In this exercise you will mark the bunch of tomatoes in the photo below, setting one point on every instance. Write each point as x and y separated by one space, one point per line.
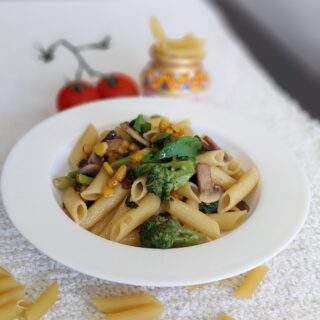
110 86
80 91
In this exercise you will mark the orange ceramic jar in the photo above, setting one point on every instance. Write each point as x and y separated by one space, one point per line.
174 75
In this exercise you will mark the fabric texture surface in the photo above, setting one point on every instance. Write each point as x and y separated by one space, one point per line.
291 289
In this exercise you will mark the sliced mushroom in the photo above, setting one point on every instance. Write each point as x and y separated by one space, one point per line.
114 144
90 170
209 143
134 134
94 159
208 192
242 205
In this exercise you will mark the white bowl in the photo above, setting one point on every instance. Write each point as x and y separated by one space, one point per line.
280 202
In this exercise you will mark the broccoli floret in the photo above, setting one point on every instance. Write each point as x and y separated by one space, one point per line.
162 232
162 178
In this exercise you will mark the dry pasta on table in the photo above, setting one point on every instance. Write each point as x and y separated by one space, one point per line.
152 182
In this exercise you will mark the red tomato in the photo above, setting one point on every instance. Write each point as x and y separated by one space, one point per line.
117 85
75 93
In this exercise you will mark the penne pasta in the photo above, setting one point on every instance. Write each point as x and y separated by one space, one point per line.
213 158
138 189
132 239
125 302
94 190
43 303
138 196
102 223
75 206
232 167
11 295
145 312
120 211
103 206
156 120
148 206
224 316
149 135
251 282
238 174
89 138
8 283
239 191
193 204
190 191
221 178
4 273
228 220
194 218
10 310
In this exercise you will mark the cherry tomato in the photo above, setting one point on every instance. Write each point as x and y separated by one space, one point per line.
75 93
117 85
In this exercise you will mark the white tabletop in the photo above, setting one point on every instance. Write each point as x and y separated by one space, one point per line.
28 87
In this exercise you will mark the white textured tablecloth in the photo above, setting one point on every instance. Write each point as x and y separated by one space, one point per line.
291 289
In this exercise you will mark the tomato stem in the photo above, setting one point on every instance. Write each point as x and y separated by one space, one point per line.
47 55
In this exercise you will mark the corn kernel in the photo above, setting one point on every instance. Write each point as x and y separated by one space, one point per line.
107 191
122 150
121 173
101 148
112 183
138 155
87 148
133 147
125 144
163 124
108 168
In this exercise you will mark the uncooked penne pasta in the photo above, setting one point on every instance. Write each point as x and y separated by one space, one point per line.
148 206
190 191
103 206
11 295
10 310
94 190
212 158
75 206
43 303
228 220
138 189
251 282
89 138
239 191
8 283
221 178
146 312
224 316
124 302
4 273
194 218
132 239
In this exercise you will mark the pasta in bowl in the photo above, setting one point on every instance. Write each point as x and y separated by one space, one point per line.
34 205
153 183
